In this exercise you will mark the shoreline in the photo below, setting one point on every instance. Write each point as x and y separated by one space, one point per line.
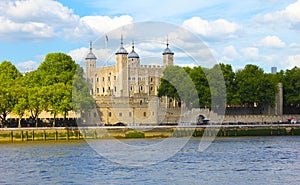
123 132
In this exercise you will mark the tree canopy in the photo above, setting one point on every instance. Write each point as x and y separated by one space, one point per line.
49 88
249 86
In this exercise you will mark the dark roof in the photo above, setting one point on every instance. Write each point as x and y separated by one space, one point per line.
167 51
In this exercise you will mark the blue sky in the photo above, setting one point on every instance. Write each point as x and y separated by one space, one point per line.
265 33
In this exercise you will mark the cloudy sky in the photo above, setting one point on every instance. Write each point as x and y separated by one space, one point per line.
261 32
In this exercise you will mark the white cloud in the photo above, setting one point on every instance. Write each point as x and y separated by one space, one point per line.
229 54
271 42
34 19
294 45
27 66
10 30
91 26
216 29
290 16
103 55
38 11
251 53
293 61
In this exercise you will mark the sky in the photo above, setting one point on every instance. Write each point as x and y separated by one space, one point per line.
261 32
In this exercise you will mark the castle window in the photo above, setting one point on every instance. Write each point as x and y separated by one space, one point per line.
151 79
115 89
141 102
97 79
151 88
98 90
141 88
108 88
120 114
131 88
103 90
115 78
109 114
145 114
109 78
103 79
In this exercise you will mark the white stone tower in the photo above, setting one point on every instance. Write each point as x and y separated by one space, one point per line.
168 56
122 71
90 67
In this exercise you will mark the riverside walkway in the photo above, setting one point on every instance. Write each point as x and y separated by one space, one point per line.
103 132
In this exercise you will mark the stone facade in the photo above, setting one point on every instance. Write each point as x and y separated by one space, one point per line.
127 91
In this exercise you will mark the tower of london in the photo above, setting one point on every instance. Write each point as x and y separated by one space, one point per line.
127 91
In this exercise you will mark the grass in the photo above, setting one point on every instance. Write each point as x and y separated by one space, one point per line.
134 134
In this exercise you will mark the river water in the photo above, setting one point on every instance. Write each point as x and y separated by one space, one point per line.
251 160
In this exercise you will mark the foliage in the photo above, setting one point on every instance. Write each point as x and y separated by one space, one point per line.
9 75
134 134
176 83
253 86
82 101
220 85
292 87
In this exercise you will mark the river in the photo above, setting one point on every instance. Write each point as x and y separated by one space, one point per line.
240 160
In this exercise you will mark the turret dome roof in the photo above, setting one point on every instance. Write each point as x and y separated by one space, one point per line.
133 54
91 55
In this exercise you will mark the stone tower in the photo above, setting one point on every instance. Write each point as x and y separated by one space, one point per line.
133 58
168 56
90 66
122 71
90 61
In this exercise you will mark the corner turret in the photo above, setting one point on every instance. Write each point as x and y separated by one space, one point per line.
168 56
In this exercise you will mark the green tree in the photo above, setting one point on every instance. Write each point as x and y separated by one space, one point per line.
36 94
82 100
253 86
198 76
229 78
22 100
291 87
9 76
178 83
57 72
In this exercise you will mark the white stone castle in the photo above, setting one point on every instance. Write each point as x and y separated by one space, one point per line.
127 91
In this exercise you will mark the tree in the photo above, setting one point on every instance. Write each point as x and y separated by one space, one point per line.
82 100
229 78
198 76
21 100
57 68
291 87
9 76
36 94
217 85
253 86
178 83
57 72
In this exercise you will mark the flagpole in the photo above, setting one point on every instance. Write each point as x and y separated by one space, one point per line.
106 41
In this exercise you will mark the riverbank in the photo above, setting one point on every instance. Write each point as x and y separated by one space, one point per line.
74 133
